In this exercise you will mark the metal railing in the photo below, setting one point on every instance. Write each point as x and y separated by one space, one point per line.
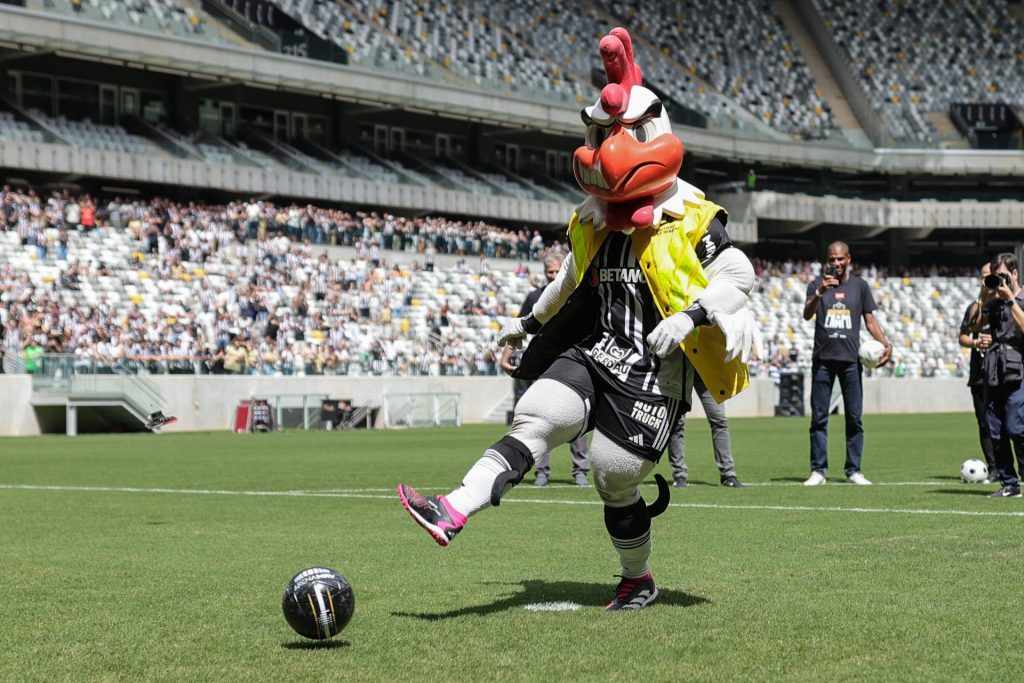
422 410
63 373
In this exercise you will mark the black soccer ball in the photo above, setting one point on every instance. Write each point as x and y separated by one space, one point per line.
318 602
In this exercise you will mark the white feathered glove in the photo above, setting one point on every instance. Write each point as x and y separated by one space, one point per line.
743 338
669 334
514 331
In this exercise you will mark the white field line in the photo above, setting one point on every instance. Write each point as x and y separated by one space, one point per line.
372 494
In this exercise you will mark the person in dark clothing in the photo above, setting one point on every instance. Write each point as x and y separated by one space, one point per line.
971 337
510 361
837 301
1004 370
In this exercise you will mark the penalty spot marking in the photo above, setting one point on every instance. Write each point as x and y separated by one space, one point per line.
515 501
552 607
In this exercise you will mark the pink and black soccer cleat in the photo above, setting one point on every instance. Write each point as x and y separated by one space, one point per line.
433 514
158 419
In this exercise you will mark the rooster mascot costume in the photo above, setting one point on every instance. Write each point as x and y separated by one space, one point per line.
652 292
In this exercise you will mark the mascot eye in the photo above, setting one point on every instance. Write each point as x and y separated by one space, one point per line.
645 131
596 135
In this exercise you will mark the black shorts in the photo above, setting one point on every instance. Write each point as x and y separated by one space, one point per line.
638 422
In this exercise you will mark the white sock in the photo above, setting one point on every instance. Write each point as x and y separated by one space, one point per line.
633 555
475 493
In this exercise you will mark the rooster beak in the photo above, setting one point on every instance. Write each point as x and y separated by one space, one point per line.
623 168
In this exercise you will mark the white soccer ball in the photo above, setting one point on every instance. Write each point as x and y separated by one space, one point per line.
974 471
870 353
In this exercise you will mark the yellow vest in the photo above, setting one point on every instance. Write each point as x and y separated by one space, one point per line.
667 256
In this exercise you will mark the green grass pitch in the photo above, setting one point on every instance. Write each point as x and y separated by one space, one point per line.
163 558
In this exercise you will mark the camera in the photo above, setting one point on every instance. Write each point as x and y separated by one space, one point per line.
994 280
830 270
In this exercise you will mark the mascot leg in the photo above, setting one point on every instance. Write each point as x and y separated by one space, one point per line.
548 414
617 476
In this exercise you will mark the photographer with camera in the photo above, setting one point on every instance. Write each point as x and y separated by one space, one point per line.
837 301
1003 318
971 337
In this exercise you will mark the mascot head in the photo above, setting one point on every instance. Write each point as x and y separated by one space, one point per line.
630 154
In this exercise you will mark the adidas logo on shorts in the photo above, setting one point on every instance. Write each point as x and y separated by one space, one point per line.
637 439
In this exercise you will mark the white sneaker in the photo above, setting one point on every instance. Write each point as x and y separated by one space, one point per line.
858 479
816 479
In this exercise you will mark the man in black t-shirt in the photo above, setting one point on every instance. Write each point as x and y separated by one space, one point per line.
837 300
971 337
1004 371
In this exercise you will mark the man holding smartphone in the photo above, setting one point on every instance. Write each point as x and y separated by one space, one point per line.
837 301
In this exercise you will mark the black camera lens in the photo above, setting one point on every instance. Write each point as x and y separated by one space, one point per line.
994 280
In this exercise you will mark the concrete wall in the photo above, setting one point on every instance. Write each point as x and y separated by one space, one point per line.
207 402
17 418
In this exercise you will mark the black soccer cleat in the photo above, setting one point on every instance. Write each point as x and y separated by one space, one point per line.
633 594
1008 491
433 514
158 419
732 482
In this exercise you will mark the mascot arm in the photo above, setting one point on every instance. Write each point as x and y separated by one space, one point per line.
730 279
557 292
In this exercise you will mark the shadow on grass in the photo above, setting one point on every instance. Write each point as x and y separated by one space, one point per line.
965 492
945 477
800 479
315 644
535 591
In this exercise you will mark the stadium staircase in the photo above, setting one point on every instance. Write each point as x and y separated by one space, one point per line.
94 401
830 90
502 409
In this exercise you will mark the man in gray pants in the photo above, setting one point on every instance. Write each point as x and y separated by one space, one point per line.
719 436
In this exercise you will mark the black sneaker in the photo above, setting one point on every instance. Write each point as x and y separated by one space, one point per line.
732 482
1008 491
633 594
158 420
680 483
433 514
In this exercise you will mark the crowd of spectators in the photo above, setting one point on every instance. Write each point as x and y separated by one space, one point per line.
37 218
246 288
283 306
807 270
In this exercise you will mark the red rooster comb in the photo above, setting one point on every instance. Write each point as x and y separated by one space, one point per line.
623 73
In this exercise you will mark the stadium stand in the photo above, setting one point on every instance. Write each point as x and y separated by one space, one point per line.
544 26
364 43
525 48
476 49
165 16
89 135
112 295
732 62
913 57
13 129
727 45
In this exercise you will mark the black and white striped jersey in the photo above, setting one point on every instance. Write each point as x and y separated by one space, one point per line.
618 345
